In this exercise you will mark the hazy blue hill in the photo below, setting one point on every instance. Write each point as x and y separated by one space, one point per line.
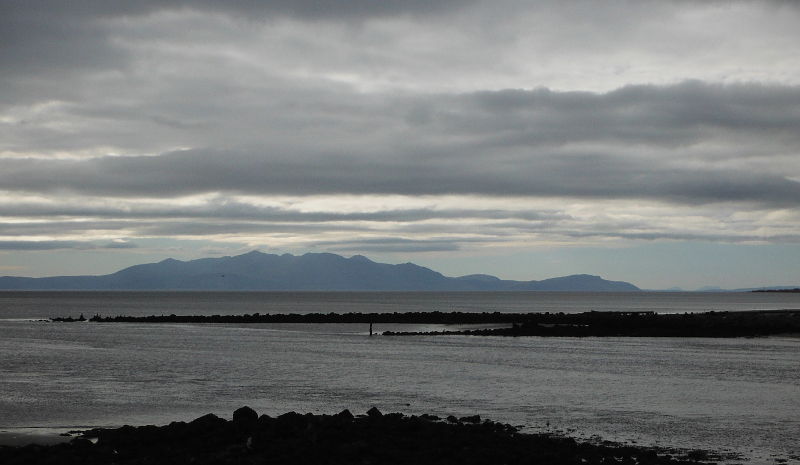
312 271
480 278
579 281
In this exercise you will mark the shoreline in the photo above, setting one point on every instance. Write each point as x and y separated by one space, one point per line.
373 437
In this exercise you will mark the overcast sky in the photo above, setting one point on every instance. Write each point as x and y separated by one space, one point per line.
656 142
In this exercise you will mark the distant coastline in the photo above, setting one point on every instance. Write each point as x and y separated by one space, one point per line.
257 271
796 289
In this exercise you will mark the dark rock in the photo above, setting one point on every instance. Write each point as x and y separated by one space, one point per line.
207 422
293 438
244 415
81 443
345 414
698 455
291 421
397 417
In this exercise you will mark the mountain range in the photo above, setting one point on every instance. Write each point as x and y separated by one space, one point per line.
312 271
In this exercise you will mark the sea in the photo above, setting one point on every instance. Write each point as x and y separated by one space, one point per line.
739 397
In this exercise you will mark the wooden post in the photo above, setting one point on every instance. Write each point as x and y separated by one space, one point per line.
370 329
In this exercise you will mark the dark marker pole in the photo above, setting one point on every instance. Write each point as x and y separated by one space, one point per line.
370 329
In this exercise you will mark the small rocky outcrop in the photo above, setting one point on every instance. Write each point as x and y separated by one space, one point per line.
244 415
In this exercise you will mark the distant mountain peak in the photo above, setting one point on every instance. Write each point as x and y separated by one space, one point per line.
480 277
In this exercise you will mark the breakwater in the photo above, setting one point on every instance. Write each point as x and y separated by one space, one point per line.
599 324
643 324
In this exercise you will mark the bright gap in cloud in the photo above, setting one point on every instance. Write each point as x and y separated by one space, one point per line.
356 222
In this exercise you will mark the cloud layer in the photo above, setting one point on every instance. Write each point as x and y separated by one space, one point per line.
398 126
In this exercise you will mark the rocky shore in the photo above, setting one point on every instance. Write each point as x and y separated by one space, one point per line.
374 438
642 324
598 324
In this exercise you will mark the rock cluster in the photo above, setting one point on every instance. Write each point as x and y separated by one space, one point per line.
293 438
597 324
642 324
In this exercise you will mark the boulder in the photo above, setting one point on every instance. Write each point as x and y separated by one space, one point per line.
244 415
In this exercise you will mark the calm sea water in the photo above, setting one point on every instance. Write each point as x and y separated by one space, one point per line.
738 395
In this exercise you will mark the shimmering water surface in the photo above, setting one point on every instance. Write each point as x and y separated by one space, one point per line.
740 395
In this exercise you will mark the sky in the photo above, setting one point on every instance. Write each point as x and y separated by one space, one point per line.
651 141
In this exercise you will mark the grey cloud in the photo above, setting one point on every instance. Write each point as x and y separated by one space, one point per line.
45 245
391 244
737 237
44 36
679 114
120 245
300 8
410 237
597 176
50 36
511 142
211 226
313 98
229 210
313 9
55 35
59 245
641 141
